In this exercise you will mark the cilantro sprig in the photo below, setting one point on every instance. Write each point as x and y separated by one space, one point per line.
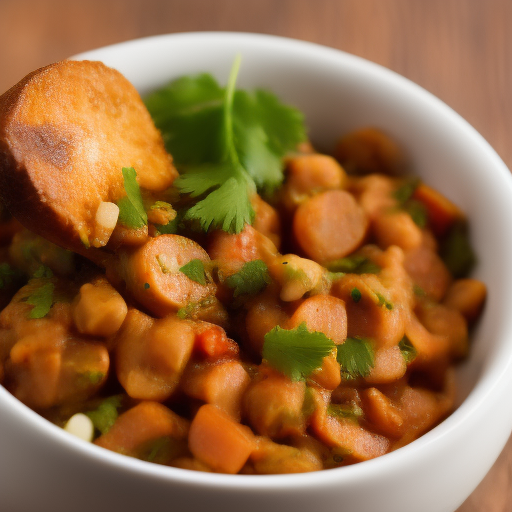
195 271
131 207
356 357
252 278
296 352
41 298
226 143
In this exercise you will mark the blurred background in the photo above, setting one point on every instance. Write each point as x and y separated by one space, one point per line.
460 50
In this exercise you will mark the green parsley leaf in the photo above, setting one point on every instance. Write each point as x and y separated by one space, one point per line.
227 144
354 265
252 278
42 300
105 415
131 208
296 352
355 294
416 209
43 272
405 191
7 275
349 411
456 250
356 357
194 270
384 302
407 349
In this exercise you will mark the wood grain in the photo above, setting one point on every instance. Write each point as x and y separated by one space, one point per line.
460 50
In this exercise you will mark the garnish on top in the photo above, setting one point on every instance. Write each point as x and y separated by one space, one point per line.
227 143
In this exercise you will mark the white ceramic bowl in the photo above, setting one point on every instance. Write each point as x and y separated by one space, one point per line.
44 469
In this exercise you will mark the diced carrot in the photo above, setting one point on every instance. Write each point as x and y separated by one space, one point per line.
147 422
442 213
219 441
222 384
329 374
212 342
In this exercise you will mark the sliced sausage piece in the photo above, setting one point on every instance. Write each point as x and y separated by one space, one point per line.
66 132
152 274
330 225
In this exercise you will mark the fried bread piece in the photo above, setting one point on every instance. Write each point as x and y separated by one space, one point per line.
66 132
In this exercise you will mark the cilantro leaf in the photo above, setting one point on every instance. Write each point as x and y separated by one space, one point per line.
105 415
355 294
42 300
456 250
252 278
407 349
194 270
131 208
226 143
296 352
8 275
43 271
349 411
416 209
354 264
356 357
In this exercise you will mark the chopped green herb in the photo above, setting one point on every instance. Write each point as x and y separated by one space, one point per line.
354 265
356 357
405 192
296 352
131 208
456 251
418 290
146 286
105 415
93 377
7 275
384 302
349 411
416 209
355 294
43 272
192 309
42 300
194 270
407 349
252 278
226 143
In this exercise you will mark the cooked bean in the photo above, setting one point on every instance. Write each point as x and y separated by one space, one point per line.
151 355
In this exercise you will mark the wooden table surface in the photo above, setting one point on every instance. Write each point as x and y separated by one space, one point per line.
460 50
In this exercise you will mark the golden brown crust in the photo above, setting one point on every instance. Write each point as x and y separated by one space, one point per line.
66 131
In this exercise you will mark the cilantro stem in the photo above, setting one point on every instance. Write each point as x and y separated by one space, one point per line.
232 155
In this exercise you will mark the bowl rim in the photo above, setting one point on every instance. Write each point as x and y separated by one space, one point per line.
497 375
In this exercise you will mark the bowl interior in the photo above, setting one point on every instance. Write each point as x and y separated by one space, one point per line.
338 92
